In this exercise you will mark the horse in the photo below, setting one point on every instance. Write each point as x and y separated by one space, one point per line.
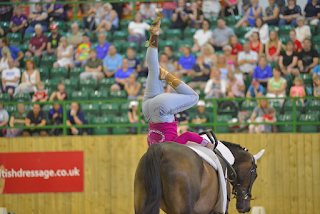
174 178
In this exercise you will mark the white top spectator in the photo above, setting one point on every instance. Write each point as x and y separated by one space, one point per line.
10 74
202 37
148 10
247 67
139 28
263 33
303 32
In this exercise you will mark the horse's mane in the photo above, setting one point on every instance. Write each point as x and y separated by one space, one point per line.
232 145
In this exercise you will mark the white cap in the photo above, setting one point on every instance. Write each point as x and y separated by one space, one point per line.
201 103
133 103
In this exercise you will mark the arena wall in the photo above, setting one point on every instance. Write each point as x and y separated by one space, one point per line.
288 173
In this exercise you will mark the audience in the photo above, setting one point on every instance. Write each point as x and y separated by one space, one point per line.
148 10
273 47
288 60
18 22
64 54
53 40
246 4
231 59
308 57
316 88
201 37
168 50
298 90
92 68
262 72
164 63
208 53
10 78
262 113
312 12
211 8
261 28
137 30
168 7
186 62
255 89
4 118
132 87
200 117
133 62
6 12
302 31
111 63
29 80
38 43
289 14
102 47
91 22
254 12
255 44
316 71
17 119
133 116
56 118
37 18
200 74
5 52
231 8
195 16
111 20
35 118
221 35
75 38
297 43
83 52
60 94
235 45
180 16
55 11
271 15
75 116
16 53
277 86
121 76
215 87
247 60
41 95
234 86
183 119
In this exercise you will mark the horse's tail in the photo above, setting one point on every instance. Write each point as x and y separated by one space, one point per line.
152 179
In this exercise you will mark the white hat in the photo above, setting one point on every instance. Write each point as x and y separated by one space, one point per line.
133 103
201 103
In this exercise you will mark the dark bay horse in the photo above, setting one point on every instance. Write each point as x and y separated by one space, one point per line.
174 178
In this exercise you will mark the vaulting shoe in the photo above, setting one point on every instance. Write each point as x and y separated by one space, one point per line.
154 33
169 78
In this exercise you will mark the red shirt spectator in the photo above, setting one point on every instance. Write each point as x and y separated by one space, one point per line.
256 48
236 49
37 42
297 46
40 95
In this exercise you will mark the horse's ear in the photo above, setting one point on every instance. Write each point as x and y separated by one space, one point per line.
257 156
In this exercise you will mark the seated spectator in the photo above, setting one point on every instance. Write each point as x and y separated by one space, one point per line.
262 109
298 90
38 43
75 39
17 119
5 52
312 12
261 28
201 37
137 30
100 13
247 60
91 22
246 4
103 47
186 62
196 16
297 43
121 76
215 87
111 20
308 57
183 119
255 90
29 79
55 11
38 17
231 59
208 53
56 118
134 117
111 63
221 35
53 40
302 31
273 47
235 45
132 87
270 117
41 95
35 118
92 68
148 10
168 50
235 86
60 94
255 43
180 16
211 8
164 63
83 52
290 13
10 78
231 8
133 62
200 117
4 118
277 86
16 53
316 88
288 60
18 22
262 72
168 7
75 116
64 54
200 74
271 15
254 12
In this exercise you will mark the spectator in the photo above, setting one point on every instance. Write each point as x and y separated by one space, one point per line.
254 12
255 44
277 86
111 63
134 117
298 90
180 16
231 7
83 52
186 62
148 10
75 116
221 35
308 57
262 109
4 118
41 95
16 53
55 11
215 87
132 87
273 47
302 31
18 22
53 40
164 63
200 74
5 11
316 71
103 47
38 17
91 22
267 118
297 43
262 72
235 86
312 12
196 16
5 52
231 59
316 88
121 76
18 119
261 28
133 62
236 46
10 78
182 118
64 54
111 21
289 14
29 80
75 39
60 94
208 53
38 43
35 118
137 30
288 60
246 4
201 37
247 60
200 116
255 89
92 68
56 118
271 15
168 50
211 8
168 7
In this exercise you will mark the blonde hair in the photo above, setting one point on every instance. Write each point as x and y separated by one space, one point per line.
315 79
63 38
108 5
298 79
38 26
272 110
231 39
40 84
276 41
5 51
259 104
225 61
211 49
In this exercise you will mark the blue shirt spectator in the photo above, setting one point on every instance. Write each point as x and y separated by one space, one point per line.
316 71
251 90
121 74
262 73
80 115
75 117
14 52
102 50
187 61
133 63
55 114
112 62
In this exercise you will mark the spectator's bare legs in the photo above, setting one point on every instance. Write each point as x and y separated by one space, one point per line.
104 24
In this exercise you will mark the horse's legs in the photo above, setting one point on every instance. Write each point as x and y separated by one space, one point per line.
139 189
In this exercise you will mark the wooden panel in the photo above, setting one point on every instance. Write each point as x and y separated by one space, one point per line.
288 181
